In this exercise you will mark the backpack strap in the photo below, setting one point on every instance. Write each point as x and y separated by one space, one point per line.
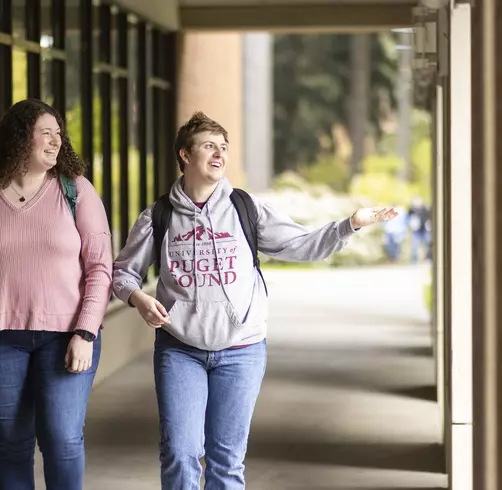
69 187
161 219
248 217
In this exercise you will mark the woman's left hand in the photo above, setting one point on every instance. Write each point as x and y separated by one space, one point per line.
78 355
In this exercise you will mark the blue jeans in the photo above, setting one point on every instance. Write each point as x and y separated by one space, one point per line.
206 401
419 238
393 246
40 399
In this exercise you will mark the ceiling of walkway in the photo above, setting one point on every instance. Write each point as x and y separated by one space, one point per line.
295 15
283 3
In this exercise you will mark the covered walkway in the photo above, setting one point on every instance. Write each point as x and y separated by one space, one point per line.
347 403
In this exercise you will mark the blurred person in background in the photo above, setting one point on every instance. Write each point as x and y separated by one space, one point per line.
420 228
395 233
55 282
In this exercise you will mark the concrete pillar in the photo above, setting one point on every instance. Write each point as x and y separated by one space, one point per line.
481 466
460 242
487 242
439 255
210 80
258 110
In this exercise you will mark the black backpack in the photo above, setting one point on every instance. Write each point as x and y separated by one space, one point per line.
246 210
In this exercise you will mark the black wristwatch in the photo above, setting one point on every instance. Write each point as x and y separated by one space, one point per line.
90 337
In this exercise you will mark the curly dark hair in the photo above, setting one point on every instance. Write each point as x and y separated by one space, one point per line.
16 134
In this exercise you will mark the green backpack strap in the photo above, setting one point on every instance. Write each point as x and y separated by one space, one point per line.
70 193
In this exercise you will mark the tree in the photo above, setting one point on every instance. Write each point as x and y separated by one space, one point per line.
358 112
312 80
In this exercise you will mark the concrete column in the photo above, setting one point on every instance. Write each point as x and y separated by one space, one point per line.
258 110
487 240
460 338
210 80
481 466
439 256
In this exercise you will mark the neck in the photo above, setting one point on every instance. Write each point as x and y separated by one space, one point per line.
29 179
198 192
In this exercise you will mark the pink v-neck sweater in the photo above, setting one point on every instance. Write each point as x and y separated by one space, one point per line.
55 274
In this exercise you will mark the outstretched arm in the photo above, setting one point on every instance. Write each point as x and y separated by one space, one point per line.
280 237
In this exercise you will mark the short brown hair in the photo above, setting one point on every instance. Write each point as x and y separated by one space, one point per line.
16 134
198 123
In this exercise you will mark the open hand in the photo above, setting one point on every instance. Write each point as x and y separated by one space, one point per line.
152 311
368 216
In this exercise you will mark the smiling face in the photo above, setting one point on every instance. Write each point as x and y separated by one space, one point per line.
206 159
46 144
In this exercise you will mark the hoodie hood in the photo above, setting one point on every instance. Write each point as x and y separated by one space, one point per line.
219 199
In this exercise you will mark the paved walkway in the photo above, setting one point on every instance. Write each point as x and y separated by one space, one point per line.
346 402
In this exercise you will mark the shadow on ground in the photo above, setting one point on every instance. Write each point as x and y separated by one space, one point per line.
428 458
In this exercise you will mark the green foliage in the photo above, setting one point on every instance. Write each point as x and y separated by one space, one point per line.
421 160
382 188
311 83
428 296
20 75
380 181
288 180
382 164
333 172
74 127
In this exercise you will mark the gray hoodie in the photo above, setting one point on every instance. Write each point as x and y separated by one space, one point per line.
214 296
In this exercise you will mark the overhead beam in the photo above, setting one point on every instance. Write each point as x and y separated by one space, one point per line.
298 18
162 14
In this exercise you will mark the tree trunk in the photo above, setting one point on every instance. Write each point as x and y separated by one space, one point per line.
359 98
404 92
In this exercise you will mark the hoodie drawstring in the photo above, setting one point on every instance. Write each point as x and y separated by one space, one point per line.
216 255
197 306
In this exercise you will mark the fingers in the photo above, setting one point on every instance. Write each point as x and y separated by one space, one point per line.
157 322
153 312
157 315
389 214
74 365
154 325
384 214
161 309
377 214
156 319
77 365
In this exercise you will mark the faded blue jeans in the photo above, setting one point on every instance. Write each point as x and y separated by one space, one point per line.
206 401
40 399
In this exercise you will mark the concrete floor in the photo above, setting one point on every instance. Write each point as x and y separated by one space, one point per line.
347 402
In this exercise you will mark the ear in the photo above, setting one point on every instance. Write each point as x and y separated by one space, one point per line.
184 157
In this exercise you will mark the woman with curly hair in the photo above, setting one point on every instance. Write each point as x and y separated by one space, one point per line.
55 281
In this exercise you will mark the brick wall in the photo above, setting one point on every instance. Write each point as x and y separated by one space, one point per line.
210 71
